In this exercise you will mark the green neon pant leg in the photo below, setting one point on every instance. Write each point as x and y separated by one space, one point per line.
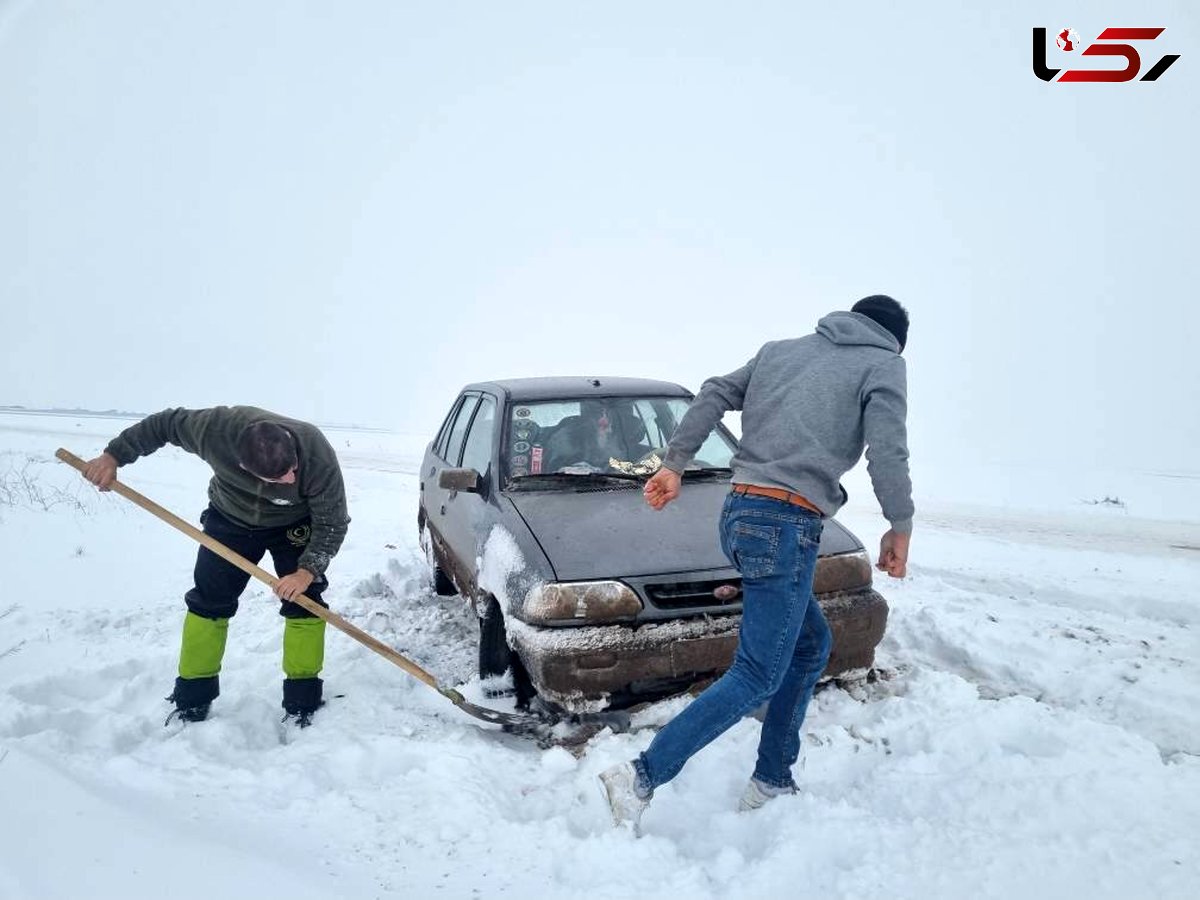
303 647
203 646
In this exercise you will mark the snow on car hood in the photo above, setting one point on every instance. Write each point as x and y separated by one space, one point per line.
613 533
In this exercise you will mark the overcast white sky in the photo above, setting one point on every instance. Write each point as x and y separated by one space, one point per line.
346 211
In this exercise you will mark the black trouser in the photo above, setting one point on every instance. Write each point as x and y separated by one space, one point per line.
214 600
220 583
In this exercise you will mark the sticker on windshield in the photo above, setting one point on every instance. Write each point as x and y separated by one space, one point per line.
535 461
521 460
522 412
518 472
521 447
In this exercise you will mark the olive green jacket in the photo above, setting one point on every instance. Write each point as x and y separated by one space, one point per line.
211 434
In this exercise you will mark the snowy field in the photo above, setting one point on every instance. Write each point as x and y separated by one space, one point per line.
1037 735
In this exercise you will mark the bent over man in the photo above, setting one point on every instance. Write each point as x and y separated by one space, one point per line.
276 487
809 406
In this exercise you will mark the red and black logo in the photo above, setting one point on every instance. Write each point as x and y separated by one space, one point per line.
1105 45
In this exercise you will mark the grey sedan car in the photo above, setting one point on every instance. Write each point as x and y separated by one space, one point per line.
531 509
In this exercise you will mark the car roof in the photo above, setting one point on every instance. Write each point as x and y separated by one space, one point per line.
561 386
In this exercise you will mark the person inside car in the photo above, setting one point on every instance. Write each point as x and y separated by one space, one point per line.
584 441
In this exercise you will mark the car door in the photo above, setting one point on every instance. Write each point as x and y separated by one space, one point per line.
470 516
444 454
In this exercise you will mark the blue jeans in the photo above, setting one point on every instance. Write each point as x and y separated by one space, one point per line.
783 645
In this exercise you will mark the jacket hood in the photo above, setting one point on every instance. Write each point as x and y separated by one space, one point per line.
851 329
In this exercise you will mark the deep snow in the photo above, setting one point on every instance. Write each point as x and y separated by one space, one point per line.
1036 736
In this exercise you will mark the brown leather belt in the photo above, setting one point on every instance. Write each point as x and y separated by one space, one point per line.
777 494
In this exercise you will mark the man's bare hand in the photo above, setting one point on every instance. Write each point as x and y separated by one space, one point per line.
662 488
289 587
893 554
102 471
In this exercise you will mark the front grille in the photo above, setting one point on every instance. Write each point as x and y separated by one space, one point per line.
843 572
689 594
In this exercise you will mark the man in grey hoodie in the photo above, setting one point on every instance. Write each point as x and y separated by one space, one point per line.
809 406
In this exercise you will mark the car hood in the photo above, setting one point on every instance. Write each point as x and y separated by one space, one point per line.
613 533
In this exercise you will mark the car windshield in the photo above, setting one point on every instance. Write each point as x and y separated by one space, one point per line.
613 435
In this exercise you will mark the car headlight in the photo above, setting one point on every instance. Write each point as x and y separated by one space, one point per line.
843 572
581 601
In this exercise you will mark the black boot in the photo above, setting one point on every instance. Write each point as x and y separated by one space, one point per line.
301 698
192 698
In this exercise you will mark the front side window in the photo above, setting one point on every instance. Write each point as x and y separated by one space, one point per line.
580 436
477 452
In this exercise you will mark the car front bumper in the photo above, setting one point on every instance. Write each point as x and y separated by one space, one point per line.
592 662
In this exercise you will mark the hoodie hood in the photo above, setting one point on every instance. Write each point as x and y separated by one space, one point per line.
855 329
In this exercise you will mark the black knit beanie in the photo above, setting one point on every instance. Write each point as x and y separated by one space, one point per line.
887 312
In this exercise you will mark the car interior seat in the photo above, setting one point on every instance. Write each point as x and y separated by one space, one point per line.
561 443
632 428
632 431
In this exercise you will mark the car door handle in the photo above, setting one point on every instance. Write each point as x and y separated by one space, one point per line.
443 509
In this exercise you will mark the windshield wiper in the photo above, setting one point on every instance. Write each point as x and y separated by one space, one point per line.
708 472
574 476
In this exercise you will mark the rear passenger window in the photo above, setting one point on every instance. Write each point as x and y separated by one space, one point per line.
443 435
458 431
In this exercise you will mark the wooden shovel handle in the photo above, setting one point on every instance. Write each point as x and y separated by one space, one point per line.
262 575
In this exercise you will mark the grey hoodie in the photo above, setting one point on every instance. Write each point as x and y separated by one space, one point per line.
809 406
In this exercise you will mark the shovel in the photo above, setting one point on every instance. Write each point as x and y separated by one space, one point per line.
517 723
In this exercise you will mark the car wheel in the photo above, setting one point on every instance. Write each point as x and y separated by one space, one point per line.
442 585
496 657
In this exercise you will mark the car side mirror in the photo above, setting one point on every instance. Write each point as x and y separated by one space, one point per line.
466 480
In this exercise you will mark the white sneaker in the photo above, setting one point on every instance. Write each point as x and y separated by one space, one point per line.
757 793
620 787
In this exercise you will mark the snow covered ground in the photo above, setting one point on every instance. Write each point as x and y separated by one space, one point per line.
1037 737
